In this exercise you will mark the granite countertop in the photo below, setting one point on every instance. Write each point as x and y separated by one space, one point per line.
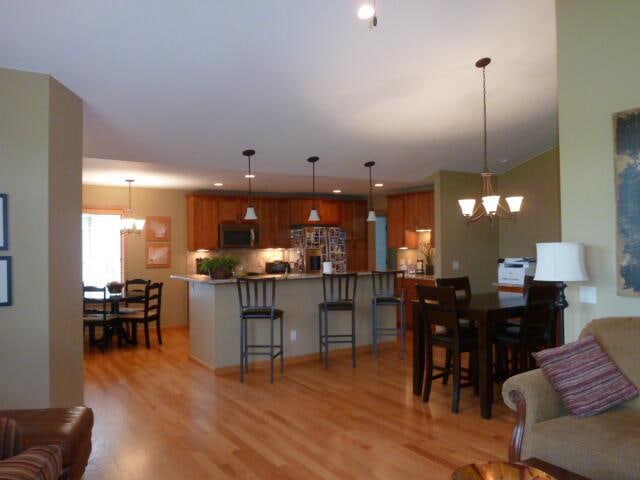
291 276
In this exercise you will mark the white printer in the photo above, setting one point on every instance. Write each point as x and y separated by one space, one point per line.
512 271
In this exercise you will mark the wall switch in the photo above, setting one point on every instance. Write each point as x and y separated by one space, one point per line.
588 294
455 265
293 335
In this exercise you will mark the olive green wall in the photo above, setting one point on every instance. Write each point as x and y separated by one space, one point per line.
598 70
538 180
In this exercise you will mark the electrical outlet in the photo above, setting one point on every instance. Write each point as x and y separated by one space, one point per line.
293 335
455 265
588 294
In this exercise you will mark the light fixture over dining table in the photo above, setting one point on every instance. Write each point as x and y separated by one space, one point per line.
491 205
128 223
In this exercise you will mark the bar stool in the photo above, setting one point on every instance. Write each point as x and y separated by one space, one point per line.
339 293
257 302
387 293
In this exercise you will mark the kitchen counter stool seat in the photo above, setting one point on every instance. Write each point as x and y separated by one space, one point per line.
388 291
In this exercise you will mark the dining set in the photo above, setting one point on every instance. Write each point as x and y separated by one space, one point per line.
118 309
497 331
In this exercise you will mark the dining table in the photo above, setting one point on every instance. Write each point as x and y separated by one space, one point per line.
486 310
114 300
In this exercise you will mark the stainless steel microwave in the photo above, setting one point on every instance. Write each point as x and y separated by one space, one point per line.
233 235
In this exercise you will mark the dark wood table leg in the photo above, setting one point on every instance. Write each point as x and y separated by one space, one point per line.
485 364
418 351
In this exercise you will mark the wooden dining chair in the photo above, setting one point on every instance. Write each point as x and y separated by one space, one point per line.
134 292
96 314
150 313
439 307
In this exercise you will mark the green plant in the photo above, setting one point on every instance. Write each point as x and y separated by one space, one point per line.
428 251
222 262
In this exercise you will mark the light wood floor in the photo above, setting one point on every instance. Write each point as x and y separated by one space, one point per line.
161 416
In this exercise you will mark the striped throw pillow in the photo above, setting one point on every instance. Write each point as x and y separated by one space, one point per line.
35 463
585 378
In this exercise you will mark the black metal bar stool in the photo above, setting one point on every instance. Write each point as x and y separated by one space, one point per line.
339 292
387 291
257 302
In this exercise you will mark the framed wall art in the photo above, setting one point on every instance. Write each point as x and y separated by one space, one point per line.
158 255
158 229
4 221
6 294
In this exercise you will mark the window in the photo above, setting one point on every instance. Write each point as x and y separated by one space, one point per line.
101 248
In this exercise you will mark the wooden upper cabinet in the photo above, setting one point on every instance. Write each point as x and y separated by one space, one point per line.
266 209
347 218
202 223
283 224
425 211
410 211
329 211
395 221
299 211
360 220
228 209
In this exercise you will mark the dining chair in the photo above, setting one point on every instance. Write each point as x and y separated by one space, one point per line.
439 307
257 297
134 292
388 291
150 313
339 295
96 314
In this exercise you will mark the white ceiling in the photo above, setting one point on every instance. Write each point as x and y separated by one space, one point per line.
188 85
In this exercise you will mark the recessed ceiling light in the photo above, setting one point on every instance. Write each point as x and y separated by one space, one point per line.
366 11
249 175
504 160
337 191
378 185
217 184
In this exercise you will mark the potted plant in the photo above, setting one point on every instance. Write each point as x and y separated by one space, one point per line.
429 254
115 288
219 267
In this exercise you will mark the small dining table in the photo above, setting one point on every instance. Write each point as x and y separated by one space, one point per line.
115 299
486 310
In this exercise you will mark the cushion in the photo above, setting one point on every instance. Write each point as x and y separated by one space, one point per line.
585 378
36 463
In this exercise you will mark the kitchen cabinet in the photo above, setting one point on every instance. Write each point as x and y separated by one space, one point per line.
353 220
202 222
283 223
273 218
229 209
406 214
395 221
329 211
299 211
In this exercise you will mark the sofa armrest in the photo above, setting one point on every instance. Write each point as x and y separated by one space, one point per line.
534 400
41 463
10 438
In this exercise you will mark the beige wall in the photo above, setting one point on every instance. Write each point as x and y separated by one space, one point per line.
539 220
40 158
152 202
598 70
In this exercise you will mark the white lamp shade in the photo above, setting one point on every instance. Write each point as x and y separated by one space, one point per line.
313 215
251 214
139 224
561 262
515 203
372 216
490 203
467 205
127 223
366 11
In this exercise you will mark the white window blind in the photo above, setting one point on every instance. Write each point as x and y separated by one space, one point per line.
101 249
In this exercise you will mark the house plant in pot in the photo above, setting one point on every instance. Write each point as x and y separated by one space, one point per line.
219 267
429 253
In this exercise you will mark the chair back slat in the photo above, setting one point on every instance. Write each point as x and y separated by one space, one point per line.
94 300
339 287
135 289
385 283
439 306
256 293
461 285
153 301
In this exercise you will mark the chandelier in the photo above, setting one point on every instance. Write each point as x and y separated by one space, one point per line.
491 205
129 224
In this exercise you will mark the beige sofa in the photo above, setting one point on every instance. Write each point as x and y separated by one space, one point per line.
602 447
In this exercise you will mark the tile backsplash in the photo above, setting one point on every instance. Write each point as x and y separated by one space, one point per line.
251 260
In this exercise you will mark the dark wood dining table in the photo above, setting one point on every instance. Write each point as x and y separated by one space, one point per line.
486 310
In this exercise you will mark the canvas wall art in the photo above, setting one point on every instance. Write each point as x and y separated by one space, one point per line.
158 229
5 282
626 136
4 222
158 255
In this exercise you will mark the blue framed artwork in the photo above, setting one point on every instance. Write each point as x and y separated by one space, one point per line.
4 221
6 294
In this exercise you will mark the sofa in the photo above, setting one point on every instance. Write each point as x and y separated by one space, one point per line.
601 447
68 429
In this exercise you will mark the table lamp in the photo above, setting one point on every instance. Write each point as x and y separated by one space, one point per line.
561 262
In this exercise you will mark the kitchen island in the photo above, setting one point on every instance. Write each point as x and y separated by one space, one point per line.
214 324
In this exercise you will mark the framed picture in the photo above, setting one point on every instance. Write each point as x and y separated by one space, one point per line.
4 221
158 255
626 141
6 294
158 229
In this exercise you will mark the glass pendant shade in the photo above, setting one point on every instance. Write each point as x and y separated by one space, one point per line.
127 223
313 215
515 203
467 205
372 216
138 224
130 224
251 213
490 203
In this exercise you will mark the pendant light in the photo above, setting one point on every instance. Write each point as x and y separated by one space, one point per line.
313 215
491 205
372 213
368 11
251 211
128 223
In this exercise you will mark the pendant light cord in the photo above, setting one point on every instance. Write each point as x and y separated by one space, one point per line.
370 190
484 114
249 178
313 185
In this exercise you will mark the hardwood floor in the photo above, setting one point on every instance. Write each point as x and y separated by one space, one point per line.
161 416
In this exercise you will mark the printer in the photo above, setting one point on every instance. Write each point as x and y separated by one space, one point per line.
512 271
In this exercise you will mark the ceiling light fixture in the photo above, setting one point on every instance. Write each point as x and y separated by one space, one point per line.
217 184
491 205
251 211
367 11
313 214
129 224
372 213
337 191
378 185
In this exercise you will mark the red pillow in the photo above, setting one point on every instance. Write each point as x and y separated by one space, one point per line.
585 378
